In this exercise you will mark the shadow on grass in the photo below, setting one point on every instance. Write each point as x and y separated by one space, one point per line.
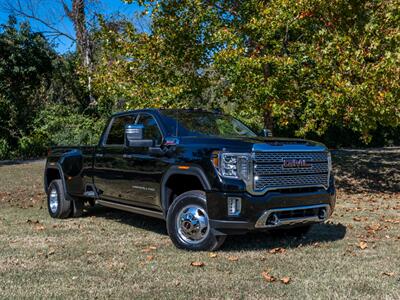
372 171
250 241
258 240
132 219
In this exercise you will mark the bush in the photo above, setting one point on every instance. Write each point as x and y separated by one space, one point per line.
60 125
4 149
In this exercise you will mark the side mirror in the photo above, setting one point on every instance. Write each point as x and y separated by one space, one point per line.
134 136
267 132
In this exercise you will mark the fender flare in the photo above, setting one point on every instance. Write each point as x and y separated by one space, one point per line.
174 170
57 167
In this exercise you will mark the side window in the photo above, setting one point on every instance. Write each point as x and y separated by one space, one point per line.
117 130
151 130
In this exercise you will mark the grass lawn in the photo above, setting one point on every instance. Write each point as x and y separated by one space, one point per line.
112 254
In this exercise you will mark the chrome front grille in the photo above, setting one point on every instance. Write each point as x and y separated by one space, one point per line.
269 171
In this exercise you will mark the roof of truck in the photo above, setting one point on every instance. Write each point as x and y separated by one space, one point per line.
160 110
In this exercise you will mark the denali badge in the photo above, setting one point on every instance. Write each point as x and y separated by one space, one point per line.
295 163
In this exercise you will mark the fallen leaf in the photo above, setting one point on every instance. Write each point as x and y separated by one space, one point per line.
197 264
268 277
357 219
362 245
374 227
149 249
153 247
39 228
212 255
285 280
51 252
390 274
233 258
277 250
150 257
29 221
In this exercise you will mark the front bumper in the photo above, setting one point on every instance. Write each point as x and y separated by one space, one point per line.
256 210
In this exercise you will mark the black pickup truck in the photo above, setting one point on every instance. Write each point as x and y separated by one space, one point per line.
206 174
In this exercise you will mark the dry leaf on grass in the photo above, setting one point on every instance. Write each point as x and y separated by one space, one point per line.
268 277
277 250
374 227
285 280
363 245
150 257
233 258
39 228
197 264
212 255
390 274
149 249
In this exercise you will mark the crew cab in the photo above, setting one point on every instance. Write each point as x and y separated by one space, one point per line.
205 173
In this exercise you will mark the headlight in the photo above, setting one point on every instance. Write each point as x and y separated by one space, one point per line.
232 165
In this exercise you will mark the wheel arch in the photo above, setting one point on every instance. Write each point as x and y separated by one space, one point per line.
54 172
173 172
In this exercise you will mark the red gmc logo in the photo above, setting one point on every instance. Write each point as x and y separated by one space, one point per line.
295 163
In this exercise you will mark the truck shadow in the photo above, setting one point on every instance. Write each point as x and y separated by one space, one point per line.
251 241
132 219
319 233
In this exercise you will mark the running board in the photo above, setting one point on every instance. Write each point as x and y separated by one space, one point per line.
133 209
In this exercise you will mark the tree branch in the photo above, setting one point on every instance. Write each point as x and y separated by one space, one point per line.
18 10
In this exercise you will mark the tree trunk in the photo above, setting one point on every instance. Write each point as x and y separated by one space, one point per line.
268 121
78 17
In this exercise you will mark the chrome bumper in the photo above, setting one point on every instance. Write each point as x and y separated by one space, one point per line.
283 216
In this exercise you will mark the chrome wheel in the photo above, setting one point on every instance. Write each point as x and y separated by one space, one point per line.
192 224
53 200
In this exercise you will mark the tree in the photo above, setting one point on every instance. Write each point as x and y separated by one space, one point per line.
26 68
76 12
308 65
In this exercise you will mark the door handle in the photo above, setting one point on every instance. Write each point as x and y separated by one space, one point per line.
99 155
127 156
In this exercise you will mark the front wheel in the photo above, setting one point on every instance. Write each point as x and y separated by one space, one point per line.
188 224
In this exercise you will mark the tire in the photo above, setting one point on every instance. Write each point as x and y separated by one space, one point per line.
77 208
190 233
57 205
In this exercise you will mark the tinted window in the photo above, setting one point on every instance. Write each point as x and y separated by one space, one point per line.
151 130
205 123
117 131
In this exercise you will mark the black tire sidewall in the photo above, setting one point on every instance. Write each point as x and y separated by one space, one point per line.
53 185
192 197
63 206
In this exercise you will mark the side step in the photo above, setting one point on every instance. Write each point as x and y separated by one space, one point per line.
133 209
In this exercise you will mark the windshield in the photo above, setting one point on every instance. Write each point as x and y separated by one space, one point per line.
205 123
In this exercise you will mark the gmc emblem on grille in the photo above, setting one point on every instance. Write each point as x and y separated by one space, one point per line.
295 163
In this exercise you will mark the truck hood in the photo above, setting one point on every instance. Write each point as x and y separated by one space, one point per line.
249 144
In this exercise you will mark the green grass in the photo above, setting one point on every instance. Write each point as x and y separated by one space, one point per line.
112 254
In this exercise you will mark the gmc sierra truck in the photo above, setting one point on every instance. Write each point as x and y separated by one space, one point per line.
205 173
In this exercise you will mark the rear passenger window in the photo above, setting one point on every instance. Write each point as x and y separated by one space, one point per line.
117 130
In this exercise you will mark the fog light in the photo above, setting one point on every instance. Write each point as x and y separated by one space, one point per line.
234 206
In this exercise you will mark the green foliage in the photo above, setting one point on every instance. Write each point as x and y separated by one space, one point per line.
311 65
63 126
33 79
4 149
